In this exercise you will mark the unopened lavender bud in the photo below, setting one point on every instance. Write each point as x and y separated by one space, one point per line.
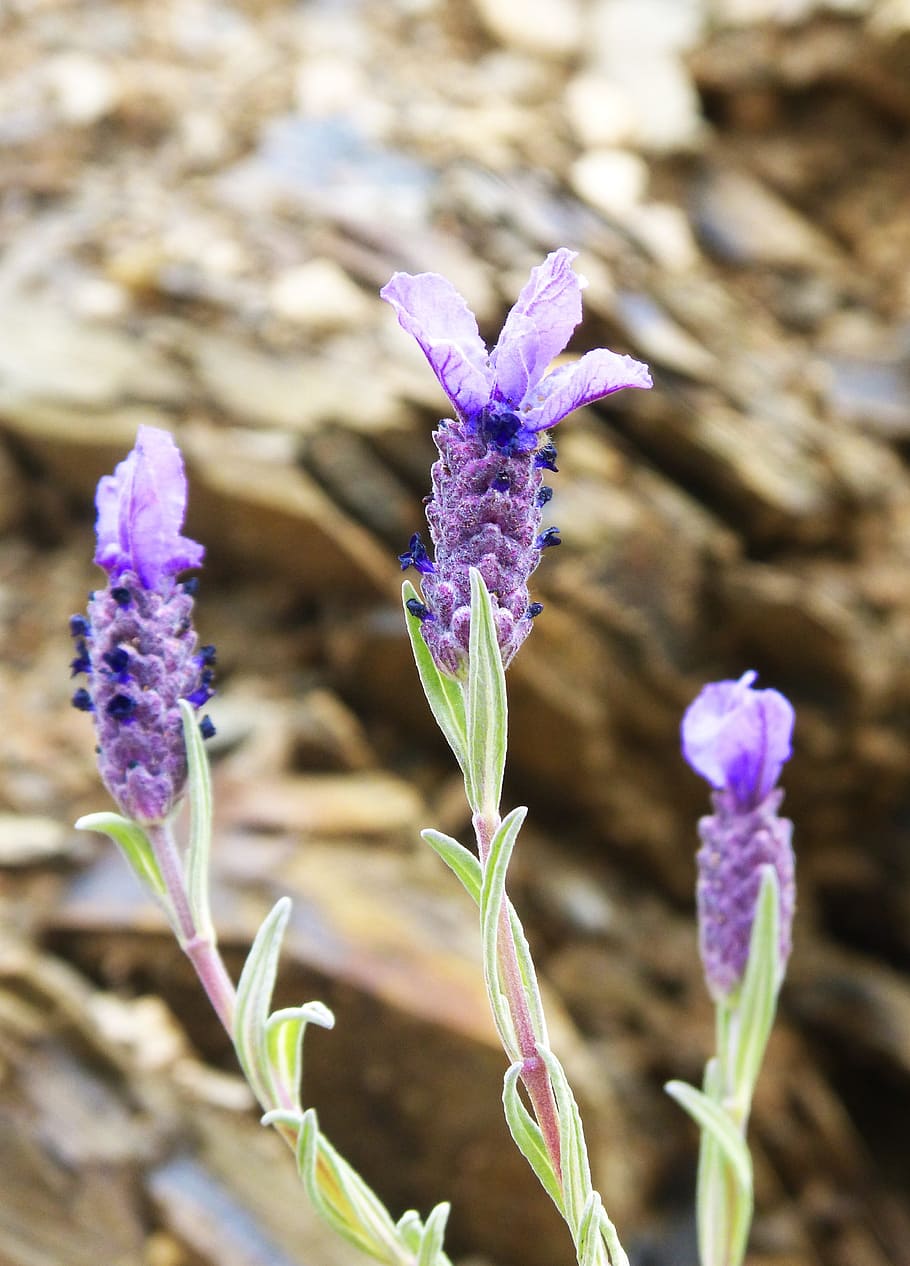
137 643
738 739
485 511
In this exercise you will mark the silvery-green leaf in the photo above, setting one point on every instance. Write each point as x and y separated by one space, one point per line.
409 1227
576 1171
444 694
284 1032
492 896
460 860
487 709
757 999
254 997
710 1116
199 790
433 1232
133 843
528 1138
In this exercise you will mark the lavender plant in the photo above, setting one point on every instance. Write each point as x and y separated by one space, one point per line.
738 738
146 680
467 624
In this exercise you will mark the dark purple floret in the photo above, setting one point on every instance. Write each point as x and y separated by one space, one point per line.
544 495
416 556
118 662
500 482
121 595
207 727
419 610
82 700
547 538
533 610
78 626
207 653
82 663
191 586
121 707
545 458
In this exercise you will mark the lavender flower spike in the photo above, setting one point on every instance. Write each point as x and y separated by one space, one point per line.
487 497
739 738
137 644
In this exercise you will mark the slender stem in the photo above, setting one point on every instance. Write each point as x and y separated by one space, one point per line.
200 949
534 1073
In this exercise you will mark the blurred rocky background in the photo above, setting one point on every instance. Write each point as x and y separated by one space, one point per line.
198 203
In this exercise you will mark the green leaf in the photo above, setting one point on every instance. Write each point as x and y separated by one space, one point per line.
757 1001
284 1031
711 1117
444 694
529 979
492 896
460 860
487 708
254 997
433 1232
199 786
133 843
528 1138
576 1170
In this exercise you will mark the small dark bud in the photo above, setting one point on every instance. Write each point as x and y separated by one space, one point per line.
207 728
549 537
191 586
501 483
534 610
544 494
117 661
121 595
121 707
545 458
418 609
83 700
79 626
207 655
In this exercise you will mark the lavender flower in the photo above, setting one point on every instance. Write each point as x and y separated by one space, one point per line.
738 739
488 494
137 643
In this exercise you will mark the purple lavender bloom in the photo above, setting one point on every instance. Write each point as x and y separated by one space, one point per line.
487 496
738 739
137 643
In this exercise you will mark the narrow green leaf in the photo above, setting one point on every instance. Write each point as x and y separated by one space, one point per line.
529 978
199 790
492 896
757 1001
576 1170
444 694
254 996
487 709
528 1138
133 843
284 1033
409 1228
710 1116
460 860
433 1233
615 1251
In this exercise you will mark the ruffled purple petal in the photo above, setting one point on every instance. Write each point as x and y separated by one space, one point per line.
431 309
597 374
141 508
738 738
538 327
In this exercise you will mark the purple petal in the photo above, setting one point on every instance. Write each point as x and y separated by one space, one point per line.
538 327
431 309
738 738
597 374
141 508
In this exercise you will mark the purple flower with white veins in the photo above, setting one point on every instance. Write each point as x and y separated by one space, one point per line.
488 491
137 643
739 738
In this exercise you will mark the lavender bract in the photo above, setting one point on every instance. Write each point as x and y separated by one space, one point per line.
488 493
739 738
137 644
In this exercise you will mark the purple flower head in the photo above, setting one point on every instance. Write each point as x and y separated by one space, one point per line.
137 644
488 497
507 393
738 739
141 508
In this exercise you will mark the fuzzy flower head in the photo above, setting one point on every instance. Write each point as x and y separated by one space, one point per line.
136 643
488 491
739 738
